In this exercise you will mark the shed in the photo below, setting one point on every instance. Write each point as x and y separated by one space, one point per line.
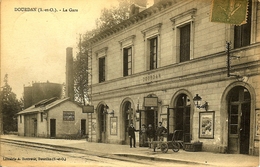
52 118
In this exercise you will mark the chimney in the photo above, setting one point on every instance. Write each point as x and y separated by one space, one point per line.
137 6
156 1
140 3
69 74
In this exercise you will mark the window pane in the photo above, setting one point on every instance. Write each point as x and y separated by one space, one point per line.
185 43
246 95
127 61
242 33
102 69
234 119
233 129
153 53
234 95
234 109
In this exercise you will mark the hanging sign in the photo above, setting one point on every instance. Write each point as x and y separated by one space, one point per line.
88 109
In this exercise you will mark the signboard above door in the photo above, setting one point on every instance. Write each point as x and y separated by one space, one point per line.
150 101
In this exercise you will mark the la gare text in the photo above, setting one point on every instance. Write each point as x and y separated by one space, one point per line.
26 9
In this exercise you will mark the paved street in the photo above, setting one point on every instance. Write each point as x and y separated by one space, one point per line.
182 158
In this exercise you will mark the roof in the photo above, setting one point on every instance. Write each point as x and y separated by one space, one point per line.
44 105
156 8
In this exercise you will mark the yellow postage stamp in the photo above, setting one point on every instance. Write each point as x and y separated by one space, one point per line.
229 11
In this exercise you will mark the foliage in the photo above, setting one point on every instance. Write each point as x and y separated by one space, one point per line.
112 16
80 68
10 107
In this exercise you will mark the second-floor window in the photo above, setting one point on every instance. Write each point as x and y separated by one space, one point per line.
185 43
153 53
127 64
242 33
102 70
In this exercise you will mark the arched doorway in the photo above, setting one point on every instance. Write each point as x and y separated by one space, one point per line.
127 117
182 116
102 123
239 108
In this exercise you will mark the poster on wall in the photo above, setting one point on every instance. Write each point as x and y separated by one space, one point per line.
113 125
258 123
206 124
93 126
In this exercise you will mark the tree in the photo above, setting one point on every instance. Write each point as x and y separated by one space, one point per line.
10 107
81 72
115 15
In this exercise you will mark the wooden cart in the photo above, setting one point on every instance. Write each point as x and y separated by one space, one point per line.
174 144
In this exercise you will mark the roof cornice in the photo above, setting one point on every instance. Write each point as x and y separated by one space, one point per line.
156 8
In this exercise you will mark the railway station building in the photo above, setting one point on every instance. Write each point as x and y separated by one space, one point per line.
170 63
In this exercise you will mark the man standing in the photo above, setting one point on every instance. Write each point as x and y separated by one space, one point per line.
161 130
143 134
150 135
131 134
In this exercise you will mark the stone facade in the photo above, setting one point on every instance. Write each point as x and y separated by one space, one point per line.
175 82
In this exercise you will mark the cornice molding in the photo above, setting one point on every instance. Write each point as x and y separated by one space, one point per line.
156 8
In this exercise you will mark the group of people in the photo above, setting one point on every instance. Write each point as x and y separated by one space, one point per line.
148 134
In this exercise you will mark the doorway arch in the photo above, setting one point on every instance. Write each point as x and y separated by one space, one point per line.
181 114
101 119
127 117
237 118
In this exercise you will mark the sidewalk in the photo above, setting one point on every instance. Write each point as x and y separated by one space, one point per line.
209 158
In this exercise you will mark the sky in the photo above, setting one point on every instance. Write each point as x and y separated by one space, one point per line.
33 43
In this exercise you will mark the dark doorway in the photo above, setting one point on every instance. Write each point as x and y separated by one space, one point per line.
53 128
151 117
239 121
35 127
128 118
182 117
102 124
83 127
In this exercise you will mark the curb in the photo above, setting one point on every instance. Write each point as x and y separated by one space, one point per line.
160 159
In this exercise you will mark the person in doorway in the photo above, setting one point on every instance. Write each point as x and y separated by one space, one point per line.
143 135
160 131
150 135
131 134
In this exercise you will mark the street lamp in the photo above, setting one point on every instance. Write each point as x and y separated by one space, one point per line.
197 101
107 112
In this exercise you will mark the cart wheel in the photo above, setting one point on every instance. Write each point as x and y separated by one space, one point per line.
175 147
164 147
